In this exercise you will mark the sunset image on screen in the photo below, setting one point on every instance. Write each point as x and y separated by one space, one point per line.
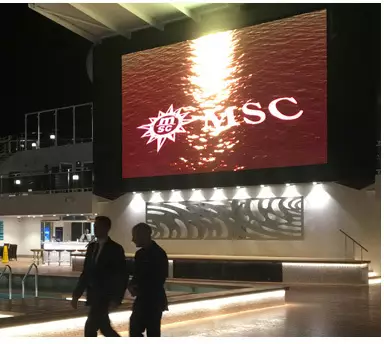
243 99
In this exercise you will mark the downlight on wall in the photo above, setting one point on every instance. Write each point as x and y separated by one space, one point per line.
318 197
197 196
218 195
156 197
241 193
176 196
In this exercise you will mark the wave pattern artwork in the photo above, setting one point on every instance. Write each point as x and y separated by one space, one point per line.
278 218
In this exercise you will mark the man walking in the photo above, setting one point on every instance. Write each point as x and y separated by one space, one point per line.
147 284
104 277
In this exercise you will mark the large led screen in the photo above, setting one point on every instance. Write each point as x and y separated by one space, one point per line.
243 99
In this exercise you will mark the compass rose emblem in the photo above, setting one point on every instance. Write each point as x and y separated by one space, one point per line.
165 126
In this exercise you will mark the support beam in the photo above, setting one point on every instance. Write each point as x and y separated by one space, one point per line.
55 18
181 8
82 21
143 16
96 15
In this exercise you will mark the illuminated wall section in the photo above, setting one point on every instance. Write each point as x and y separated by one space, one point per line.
327 208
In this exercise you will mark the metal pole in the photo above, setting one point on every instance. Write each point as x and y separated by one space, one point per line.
36 283
74 124
25 129
345 247
10 282
56 114
38 130
353 250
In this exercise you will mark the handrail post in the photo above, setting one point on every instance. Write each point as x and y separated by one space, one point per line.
10 282
36 283
36 280
353 251
345 247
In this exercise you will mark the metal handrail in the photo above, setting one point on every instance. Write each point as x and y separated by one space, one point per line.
354 242
36 281
9 280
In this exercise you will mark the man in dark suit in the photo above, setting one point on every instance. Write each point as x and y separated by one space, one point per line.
104 277
147 284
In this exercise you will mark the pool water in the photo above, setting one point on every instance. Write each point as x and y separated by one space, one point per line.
59 290
18 296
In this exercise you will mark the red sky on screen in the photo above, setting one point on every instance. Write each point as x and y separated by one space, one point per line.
237 100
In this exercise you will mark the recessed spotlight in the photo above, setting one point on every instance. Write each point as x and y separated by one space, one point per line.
81 214
54 215
75 177
17 181
153 191
134 192
238 187
52 137
314 183
19 217
193 189
95 214
262 186
173 190
67 214
288 184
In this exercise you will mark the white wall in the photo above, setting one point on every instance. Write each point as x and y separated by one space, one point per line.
23 232
47 204
327 208
35 160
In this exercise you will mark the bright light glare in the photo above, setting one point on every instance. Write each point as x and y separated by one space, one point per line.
156 198
290 191
241 193
197 196
137 203
374 281
318 198
323 265
266 192
218 195
176 196
212 74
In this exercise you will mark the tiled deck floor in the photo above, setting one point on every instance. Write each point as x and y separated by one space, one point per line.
311 312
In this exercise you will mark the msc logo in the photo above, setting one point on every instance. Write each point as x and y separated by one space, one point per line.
166 125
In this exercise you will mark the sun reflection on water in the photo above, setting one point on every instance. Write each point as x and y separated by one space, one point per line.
212 80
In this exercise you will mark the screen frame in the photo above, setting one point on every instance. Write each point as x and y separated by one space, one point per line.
108 181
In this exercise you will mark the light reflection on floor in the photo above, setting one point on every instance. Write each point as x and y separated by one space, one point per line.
310 312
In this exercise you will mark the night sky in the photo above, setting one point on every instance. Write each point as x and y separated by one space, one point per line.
43 66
